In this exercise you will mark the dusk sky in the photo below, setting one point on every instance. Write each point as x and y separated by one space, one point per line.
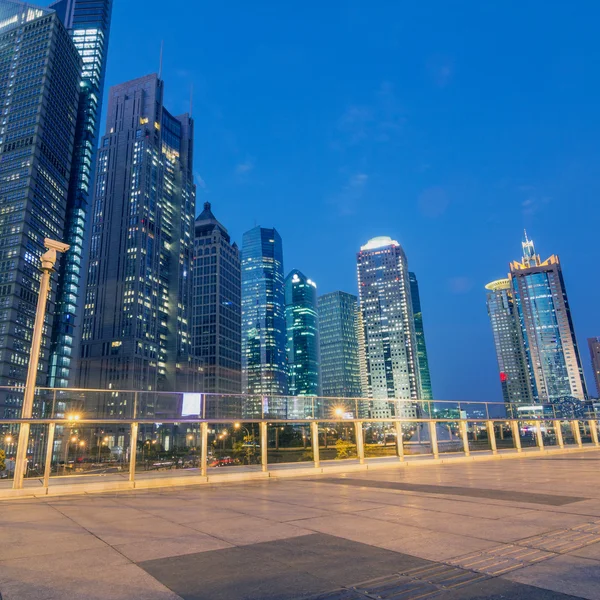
449 126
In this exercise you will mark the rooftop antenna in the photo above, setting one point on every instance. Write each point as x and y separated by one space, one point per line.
160 66
191 99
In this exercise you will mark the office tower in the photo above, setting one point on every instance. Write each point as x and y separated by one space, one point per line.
594 345
338 328
137 330
88 23
217 320
508 340
389 329
302 330
425 377
263 313
547 326
39 94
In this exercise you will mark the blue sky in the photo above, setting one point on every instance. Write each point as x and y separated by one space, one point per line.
449 126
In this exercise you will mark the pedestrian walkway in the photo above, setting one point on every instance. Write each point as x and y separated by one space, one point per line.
525 528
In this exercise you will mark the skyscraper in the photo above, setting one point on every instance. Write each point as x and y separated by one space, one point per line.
425 376
39 93
217 317
263 313
338 328
137 331
534 336
594 345
508 340
88 23
302 330
389 328
547 328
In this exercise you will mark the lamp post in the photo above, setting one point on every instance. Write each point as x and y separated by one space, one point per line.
48 260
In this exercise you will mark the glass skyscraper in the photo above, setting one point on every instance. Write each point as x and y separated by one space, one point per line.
425 376
137 327
302 329
547 325
263 314
39 93
508 341
389 329
217 323
530 312
88 23
338 337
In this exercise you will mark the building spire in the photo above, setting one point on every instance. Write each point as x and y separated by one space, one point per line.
528 249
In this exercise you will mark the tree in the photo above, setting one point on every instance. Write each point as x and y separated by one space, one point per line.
2 460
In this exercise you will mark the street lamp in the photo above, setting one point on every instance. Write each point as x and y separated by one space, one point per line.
48 260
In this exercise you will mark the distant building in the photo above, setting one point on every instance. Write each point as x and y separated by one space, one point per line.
424 374
88 23
547 326
508 340
338 335
594 345
40 71
137 325
302 330
217 320
533 332
389 327
263 314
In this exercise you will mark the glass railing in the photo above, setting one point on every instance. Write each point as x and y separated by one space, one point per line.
121 439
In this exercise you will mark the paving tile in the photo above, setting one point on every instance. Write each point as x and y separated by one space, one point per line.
167 547
123 582
566 574
147 529
437 545
102 556
248 530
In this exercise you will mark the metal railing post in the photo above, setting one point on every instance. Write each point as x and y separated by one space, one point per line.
516 433
492 437
49 452
399 440
434 442
203 448
360 442
558 433
539 436
133 451
594 431
464 434
264 461
576 432
314 438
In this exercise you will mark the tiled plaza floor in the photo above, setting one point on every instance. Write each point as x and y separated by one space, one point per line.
525 529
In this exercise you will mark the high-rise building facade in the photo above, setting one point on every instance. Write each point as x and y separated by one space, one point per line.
137 326
547 328
388 321
426 392
302 330
88 23
594 345
217 320
263 314
338 339
508 341
39 94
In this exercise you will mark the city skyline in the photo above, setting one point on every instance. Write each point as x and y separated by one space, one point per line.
441 191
